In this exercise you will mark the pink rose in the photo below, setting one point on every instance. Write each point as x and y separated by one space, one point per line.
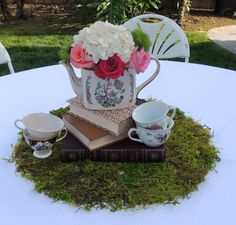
79 58
139 60
112 68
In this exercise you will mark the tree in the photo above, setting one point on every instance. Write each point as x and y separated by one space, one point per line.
20 11
5 10
184 6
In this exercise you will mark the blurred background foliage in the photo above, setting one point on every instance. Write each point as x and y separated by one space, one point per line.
118 11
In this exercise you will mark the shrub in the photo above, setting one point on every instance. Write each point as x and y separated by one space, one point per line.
118 11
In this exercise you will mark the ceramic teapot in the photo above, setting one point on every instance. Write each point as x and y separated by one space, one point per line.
107 94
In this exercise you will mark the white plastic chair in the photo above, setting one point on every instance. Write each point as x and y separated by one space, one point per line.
5 58
167 38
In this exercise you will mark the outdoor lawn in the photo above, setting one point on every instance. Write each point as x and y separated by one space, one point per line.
36 43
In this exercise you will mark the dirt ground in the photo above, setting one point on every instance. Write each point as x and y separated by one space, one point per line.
200 20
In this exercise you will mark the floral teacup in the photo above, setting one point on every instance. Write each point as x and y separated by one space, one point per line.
152 138
42 148
152 115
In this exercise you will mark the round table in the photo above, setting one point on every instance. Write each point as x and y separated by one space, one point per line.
205 93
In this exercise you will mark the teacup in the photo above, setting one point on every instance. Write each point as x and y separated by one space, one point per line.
152 115
43 148
41 125
152 138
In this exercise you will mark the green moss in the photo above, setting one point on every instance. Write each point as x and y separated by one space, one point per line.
60 111
141 39
86 184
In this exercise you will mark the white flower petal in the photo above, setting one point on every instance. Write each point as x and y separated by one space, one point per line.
103 39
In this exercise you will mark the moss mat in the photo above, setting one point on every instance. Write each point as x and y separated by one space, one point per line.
86 184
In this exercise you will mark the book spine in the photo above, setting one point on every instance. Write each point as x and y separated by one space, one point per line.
115 155
74 155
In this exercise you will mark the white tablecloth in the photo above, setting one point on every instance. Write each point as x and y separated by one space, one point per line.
205 93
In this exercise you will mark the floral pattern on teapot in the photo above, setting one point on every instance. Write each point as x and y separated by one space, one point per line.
109 93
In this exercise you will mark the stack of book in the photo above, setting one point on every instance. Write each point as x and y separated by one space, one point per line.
102 135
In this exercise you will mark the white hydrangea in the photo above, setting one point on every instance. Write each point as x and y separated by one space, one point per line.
103 39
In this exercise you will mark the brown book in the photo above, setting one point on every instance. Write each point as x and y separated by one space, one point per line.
90 135
114 121
123 151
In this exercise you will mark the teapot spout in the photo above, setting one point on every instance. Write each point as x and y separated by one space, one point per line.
75 81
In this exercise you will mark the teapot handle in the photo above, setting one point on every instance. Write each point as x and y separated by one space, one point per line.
146 82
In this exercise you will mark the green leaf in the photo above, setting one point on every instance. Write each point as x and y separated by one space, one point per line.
141 39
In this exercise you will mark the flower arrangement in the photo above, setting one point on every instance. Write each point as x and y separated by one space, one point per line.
109 49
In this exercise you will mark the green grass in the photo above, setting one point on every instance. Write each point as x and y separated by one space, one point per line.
205 51
34 51
34 43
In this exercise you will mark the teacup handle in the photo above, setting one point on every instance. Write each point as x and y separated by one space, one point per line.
171 108
17 121
146 82
130 136
63 129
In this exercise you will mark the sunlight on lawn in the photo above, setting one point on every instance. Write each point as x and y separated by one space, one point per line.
35 43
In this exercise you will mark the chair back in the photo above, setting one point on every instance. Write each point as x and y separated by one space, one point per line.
5 58
167 38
